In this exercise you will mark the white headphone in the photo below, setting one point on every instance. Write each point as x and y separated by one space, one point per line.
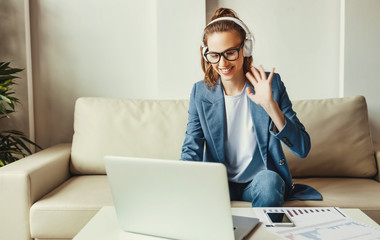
248 42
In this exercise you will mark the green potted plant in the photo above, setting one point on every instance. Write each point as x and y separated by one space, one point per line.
13 143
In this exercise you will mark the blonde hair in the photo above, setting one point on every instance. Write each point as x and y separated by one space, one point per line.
211 76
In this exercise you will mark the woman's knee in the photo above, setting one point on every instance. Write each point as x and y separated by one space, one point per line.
270 179
268 190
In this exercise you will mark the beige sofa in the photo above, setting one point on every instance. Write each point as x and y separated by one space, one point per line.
54 193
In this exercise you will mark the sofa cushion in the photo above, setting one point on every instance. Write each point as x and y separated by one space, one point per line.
136 128
65 211
342 192
339 192
341 143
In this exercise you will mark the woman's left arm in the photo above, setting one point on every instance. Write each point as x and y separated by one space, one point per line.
285 125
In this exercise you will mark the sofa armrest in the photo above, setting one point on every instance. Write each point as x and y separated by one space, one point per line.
376 146
24 182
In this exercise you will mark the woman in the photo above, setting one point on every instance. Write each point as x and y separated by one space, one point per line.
243 114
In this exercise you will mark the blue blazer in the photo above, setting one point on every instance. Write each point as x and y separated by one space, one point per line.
206 124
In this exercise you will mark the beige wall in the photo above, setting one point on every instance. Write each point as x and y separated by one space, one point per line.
149 49
12 49
88 48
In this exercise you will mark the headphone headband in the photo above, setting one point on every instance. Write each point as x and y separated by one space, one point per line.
237 21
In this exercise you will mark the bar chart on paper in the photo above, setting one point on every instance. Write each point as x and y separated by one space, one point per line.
319 223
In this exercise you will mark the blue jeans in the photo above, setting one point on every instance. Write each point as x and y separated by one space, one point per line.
267 189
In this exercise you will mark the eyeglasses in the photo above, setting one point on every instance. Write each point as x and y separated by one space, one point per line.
230 55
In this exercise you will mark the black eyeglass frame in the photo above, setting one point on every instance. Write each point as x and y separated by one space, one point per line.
222 54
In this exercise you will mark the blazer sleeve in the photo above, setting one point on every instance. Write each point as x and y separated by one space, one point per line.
293 134
193 146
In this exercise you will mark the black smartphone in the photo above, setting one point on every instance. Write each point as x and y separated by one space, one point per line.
279 219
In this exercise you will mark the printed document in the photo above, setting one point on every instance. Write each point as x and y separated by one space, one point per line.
318 224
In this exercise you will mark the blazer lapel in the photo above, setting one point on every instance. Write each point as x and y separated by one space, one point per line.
214 112
261 122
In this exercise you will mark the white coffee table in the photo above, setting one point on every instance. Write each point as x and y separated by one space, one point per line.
104 225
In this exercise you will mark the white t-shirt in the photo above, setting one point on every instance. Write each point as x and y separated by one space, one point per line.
243 158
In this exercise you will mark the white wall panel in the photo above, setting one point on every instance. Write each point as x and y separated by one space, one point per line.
361 59
89 48
180 26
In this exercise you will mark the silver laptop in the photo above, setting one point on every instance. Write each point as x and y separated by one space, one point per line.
174 199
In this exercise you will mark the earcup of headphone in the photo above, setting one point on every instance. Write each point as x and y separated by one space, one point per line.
247 50
204 50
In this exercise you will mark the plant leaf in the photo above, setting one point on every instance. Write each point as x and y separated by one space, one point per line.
4 65
13 144
10 71
22 144
29 141
4 98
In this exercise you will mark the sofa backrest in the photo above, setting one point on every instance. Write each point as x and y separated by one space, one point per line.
124 127
339 130
341 143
